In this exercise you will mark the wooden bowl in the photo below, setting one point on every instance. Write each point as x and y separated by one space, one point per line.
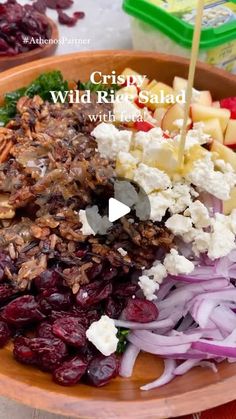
198 390
35 54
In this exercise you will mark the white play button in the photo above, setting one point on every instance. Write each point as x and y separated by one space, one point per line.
116 209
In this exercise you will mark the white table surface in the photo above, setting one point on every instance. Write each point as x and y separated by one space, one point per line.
106 27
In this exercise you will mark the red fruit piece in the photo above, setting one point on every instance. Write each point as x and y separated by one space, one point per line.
44 330
55 301
138 103
46 280
59 4
143 126
229 103
65 19
93 293
70 331
5 333
22 311
6 292
23 353
79 15
141 311
102 369
50 352
70 372
40 6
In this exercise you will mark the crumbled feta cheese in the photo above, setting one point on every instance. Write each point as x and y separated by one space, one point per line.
161 154
122 251
206 178
149 287
125 111
102 334
143 139
180 195
232 218
85 229
151 179
176 264
126 164
222 239
201 242
199 214
157 272
195 136
179 224
85 294
110 140
159 204
223 166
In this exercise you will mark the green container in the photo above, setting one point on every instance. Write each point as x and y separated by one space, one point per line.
168 25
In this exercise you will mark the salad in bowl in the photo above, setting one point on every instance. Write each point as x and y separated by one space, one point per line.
81 302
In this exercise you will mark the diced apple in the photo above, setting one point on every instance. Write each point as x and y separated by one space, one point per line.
225 153
163 93
230 134
202 113
174 113
216 104
159 114
229 205
204 98
213 128
151 85
179 84
129 72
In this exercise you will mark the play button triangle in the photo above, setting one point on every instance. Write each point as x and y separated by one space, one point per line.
116 209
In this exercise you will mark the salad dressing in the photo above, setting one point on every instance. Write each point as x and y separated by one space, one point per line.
191 74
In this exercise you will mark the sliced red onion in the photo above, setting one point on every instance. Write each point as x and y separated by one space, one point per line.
214 347
224 318
166 377
208 364
165 288
213 204
186 366
128 360
162 324
152 348
202 313
186 323
177 339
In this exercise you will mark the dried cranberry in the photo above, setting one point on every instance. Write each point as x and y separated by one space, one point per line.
93 293
5 333
113 308
59 4
109 273
141 311
93 272
44 330
22 311
40 6
6 292
70 372
55 301
102 369
125 289
50 352
23 353
46 280
65 19
70 331
79 15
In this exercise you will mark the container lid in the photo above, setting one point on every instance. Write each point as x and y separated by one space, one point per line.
175 18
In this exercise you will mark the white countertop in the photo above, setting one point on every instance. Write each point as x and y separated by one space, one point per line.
105 26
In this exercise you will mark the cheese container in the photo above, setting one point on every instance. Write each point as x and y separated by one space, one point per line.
167 26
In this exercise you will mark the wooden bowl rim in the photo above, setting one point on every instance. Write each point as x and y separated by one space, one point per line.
75 406
104 53
33 53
